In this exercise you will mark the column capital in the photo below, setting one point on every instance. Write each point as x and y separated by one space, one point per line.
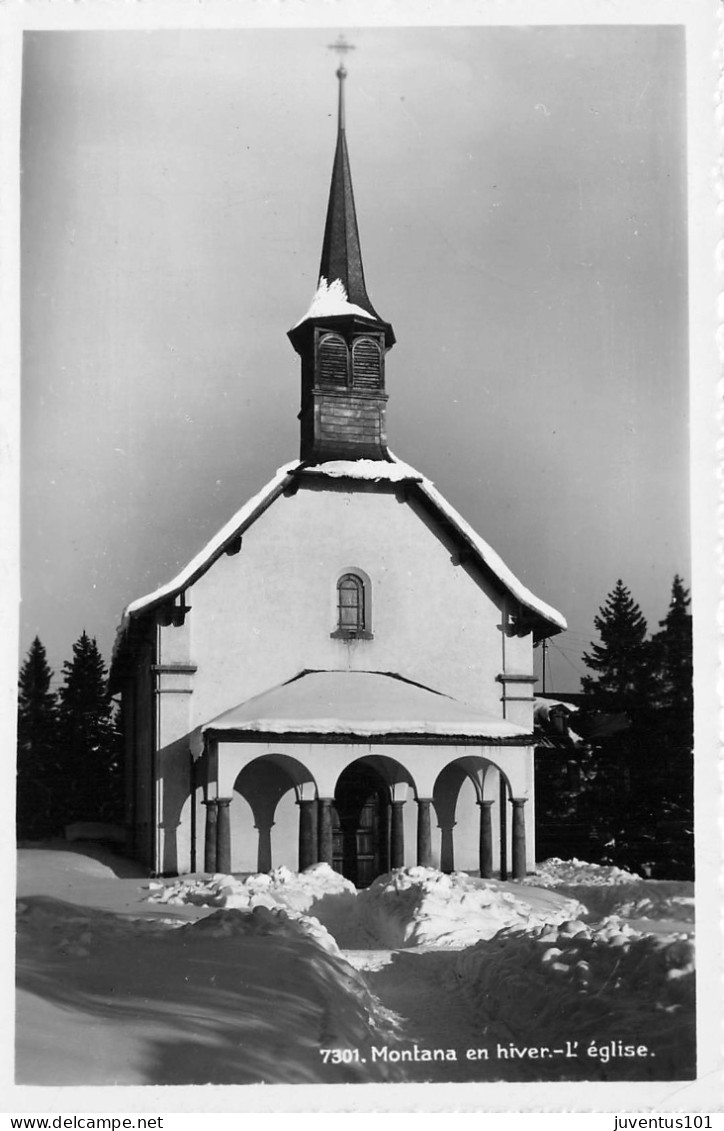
485 804
224 800
518 802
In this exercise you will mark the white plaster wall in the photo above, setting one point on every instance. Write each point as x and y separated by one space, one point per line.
173 705
261 616
467 829
519 707
519 654
174 644
409 814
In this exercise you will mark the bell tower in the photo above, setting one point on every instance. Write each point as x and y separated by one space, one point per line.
342 341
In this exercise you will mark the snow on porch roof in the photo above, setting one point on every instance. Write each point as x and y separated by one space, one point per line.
360 704
392 471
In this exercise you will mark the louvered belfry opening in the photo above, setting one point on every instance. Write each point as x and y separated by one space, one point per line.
343 391
333 360
367 364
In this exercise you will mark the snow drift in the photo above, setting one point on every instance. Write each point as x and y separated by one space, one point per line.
555 872
409 907
598 987
227 981
319 893
239 996
423 907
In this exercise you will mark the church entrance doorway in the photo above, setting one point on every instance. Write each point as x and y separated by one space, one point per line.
360 824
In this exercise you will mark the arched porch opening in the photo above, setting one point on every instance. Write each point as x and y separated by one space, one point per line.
368 818
470 798
268 817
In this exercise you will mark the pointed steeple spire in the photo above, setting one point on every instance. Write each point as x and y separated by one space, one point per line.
342 340
341 253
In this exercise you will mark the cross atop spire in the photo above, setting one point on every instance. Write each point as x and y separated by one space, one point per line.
341 47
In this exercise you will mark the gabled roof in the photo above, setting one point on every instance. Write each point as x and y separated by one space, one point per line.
361 704
548 620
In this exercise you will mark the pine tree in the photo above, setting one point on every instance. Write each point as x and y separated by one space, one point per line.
638 804
621 689
674 668
37 765
622 659
672 649
90 738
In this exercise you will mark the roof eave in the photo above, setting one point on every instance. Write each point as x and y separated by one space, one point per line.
300 334
383 738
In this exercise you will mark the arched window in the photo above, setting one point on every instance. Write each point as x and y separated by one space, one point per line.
332 360
366 364
350 603
353 606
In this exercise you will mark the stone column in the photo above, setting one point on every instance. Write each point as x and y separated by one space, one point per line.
397 835
424 834
503 811
264 845
223 836
210 836
307 833
518 838
486 839
325 831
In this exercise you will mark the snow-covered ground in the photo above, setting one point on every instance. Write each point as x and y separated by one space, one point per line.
422 976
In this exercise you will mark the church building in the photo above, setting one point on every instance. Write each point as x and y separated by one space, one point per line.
345 672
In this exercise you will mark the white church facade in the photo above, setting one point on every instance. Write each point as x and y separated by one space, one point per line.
345 672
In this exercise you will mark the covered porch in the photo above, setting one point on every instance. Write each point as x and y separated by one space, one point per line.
366 772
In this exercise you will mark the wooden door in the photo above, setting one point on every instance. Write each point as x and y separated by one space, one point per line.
360 835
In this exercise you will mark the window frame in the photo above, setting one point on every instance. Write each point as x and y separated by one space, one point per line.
363 629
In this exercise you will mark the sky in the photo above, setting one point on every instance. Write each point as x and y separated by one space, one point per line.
521 199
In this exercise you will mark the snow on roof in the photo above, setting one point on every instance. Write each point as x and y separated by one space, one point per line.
492 560
204 558
363 704
393 471
543 706
374 469
330 300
